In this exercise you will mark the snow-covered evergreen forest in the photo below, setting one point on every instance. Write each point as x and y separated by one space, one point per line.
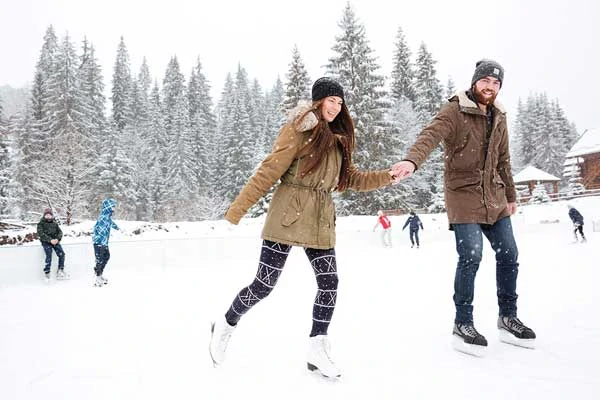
167 151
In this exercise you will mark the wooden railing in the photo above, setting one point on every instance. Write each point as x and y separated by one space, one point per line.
562 196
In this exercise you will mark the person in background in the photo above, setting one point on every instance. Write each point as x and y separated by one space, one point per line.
50 235
415 223
386 225
100 239
577 219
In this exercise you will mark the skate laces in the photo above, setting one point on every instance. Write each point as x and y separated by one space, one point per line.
326 349
225 335
469 330
515 324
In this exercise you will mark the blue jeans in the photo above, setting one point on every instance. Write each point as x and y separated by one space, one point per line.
414 235
48 247
469 245
102 255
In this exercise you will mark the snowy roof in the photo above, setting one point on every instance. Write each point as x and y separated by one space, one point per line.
588 143
531 173
573 161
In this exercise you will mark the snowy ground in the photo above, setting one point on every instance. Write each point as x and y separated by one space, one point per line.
146 335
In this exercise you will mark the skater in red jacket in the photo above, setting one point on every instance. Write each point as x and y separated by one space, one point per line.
386 232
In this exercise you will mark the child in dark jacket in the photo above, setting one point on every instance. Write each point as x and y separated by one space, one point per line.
577 219
415 222
50 235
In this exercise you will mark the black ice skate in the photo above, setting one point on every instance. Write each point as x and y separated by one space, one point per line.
513 331
466 339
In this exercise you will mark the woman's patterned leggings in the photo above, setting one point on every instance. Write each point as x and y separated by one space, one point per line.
272 260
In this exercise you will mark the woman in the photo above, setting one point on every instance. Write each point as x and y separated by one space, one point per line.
312 157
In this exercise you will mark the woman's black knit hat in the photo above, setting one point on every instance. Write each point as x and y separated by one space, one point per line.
324 87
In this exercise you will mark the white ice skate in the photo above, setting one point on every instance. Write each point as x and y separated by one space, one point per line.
47 277
318 358
99 282
61 275
221 332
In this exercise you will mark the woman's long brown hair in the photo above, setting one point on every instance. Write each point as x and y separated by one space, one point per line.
325 135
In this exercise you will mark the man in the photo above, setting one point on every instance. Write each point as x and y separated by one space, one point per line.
480 197
50 235
577 220
415 223
386 225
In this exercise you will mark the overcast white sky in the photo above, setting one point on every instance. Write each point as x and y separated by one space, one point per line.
549 46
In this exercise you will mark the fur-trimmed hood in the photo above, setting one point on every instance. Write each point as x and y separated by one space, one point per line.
468 105
295 116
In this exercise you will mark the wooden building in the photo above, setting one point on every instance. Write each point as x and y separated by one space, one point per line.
585 153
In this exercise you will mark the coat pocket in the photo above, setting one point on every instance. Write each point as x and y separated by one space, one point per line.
463 179
293 210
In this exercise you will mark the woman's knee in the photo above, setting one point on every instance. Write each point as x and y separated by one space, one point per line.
328 282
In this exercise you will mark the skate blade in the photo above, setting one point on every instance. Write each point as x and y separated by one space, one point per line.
459 345
212 331
509 338
313 368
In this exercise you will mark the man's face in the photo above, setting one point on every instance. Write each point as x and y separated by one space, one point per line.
486 89
48 217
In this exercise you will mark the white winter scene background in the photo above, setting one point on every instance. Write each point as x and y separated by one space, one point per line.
169 108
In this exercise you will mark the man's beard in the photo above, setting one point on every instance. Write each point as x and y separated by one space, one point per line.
484 99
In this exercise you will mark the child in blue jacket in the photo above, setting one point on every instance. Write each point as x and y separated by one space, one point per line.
100 239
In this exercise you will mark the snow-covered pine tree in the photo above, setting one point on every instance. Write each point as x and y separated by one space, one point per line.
91 83
115 179
138 140
403 119
220 146
203 127
116 165
539 194
566 131
45 68
2 122
355 67
525 125
5 168
258 121
274 120
121 89
180 156
403 73
516 138
240 145
450 88
62 179
428 99
427 87
275 113
31 127
157 170
298 84
543 135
